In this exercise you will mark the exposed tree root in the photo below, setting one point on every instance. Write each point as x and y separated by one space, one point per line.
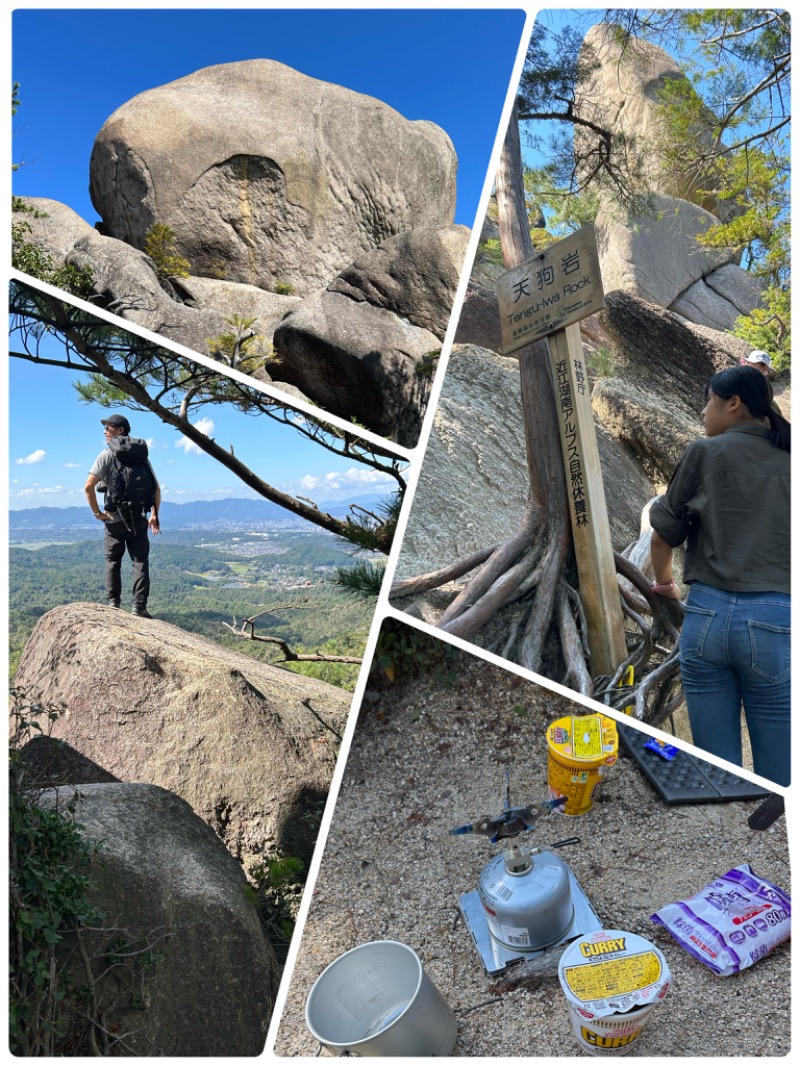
520 571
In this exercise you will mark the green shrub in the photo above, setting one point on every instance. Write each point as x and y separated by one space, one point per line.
30 258
49 862
404 653
160 246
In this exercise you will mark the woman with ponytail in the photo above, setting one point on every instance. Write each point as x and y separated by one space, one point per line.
728 501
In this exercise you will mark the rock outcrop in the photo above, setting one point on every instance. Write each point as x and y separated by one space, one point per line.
286 196
621 91
370 341
656 255
473 482
168 889
653 399
53 226
282 177
251 747
414 275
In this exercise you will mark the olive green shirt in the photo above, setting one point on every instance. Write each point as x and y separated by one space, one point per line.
728 499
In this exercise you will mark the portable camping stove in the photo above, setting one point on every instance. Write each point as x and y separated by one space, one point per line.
528 901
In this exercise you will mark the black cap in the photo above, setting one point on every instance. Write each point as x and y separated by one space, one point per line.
117 420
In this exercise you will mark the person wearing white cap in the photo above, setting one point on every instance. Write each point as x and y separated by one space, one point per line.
759 361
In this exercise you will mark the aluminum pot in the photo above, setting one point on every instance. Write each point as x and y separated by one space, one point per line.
376 999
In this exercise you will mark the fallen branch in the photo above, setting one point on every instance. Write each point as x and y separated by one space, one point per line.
246 629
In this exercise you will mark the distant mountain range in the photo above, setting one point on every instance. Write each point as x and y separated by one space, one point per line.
200 514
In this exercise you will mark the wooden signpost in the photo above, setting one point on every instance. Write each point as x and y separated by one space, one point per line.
545 297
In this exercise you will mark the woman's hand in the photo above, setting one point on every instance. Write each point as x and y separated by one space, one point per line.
669 591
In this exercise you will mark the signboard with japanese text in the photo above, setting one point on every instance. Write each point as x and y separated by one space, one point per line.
591 533
555 288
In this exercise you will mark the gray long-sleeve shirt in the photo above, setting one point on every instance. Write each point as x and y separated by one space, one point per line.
729 500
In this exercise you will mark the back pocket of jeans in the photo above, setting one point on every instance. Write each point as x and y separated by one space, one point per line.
696 625
771 650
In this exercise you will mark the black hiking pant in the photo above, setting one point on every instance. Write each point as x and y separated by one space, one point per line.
117 539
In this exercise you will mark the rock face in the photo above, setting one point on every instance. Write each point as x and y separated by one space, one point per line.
473 482
652 403
359 362
229 298
162 878
126 282
251 747
621 92
414 275
479 318
284 178
656 256
369 342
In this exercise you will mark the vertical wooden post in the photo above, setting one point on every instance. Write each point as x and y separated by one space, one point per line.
599 590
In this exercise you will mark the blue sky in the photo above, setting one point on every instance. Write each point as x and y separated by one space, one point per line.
54 438
75 67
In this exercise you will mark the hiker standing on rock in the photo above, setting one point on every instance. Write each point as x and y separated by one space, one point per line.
728 500
124 473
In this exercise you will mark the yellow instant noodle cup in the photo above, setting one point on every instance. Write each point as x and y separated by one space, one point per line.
612 981
579 751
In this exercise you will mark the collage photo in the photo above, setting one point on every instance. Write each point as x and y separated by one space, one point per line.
436 357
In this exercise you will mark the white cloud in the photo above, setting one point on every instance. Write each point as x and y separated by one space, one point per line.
41 490
206 426
340 484
49 495
72 466
34 457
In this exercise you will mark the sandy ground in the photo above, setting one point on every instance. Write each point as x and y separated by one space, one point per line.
426 758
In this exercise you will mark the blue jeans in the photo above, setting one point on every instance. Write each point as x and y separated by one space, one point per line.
734 651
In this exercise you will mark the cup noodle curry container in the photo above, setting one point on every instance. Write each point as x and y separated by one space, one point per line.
579 752
612 981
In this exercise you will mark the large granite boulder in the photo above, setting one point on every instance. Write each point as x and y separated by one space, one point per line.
53 226
366 347
415 275
720 297
360 362
126 283
250 746
653 401
623 81
283 178
167 889
656 257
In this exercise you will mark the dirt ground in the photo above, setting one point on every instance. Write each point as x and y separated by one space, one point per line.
426 758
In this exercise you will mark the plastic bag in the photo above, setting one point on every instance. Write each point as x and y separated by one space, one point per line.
732 923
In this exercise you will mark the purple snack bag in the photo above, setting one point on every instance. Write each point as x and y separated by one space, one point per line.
731 923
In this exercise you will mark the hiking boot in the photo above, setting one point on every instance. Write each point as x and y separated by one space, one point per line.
113 603
141 611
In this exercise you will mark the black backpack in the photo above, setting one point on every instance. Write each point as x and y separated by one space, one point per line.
130 486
